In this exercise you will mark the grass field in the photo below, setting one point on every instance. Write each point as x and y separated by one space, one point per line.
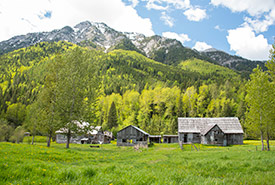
160 164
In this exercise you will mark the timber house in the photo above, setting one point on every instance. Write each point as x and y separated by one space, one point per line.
132 135
216 131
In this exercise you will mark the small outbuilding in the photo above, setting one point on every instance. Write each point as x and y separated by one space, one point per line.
216 131
85 134
170 139
132 135
155 139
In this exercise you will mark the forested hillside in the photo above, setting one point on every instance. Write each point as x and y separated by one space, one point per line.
146 93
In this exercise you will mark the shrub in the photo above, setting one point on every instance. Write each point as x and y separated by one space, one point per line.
6 130
18 135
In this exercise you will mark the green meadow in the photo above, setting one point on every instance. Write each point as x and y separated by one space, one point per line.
158 164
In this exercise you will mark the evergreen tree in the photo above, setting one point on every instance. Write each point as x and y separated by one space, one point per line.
112 117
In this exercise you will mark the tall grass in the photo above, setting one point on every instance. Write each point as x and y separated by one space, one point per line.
160 164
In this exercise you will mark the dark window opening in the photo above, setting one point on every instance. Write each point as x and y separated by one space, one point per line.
185 138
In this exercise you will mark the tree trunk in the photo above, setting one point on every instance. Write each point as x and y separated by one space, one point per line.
267 141
32 139
262 140
49 140
68 138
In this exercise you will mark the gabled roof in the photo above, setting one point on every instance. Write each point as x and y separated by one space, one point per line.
229 125
135 128
208 128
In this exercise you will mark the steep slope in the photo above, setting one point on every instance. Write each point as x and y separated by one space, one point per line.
102 37
215 72
98 33
231 61
23 71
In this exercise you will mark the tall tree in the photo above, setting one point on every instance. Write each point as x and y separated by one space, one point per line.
258 100
112 117
77 79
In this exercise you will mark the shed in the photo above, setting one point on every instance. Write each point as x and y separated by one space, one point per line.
85 134
218 131
155 139
170 139
132 135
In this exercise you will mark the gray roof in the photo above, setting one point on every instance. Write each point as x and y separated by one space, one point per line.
155 136
170 135
229 125
136 128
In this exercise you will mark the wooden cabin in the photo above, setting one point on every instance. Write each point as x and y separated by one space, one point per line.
132 135
155 139
170 139
85 134
216 131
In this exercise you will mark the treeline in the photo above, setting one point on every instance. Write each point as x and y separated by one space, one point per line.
46 86
156 109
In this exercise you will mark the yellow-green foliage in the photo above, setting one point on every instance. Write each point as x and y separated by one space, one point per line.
208 68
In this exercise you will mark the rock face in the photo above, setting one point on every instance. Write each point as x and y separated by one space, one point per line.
231 61
100 36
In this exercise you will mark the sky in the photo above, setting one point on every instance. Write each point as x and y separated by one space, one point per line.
240 27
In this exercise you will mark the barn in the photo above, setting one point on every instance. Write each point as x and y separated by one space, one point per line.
132 135
216 131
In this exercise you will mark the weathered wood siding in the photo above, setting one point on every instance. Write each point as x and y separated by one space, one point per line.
155 139
130 136
62 138
214 137
234 139
190 137
170 139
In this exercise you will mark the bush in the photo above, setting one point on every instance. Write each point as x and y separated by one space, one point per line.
18 135
6 130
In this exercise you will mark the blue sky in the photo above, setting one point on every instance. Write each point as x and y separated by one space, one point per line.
240 27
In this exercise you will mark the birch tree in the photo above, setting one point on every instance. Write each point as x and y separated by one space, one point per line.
258 99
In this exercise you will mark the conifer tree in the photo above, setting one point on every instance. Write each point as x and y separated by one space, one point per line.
112 117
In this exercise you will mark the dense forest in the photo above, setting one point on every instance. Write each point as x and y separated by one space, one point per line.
45 86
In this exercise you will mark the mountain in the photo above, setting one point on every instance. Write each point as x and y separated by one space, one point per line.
231 61
102 37
23 71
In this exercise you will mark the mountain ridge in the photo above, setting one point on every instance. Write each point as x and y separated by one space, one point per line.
102 37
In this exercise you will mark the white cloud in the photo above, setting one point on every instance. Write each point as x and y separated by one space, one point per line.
195 14
261 25
246 44
201 46
134 3
21 17
253 7
180 37
165 4
262 12
167 19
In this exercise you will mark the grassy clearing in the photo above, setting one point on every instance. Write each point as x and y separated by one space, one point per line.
160 164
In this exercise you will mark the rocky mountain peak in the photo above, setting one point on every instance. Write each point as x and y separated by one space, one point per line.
101 36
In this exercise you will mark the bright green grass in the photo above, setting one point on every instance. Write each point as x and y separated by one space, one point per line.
160 164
